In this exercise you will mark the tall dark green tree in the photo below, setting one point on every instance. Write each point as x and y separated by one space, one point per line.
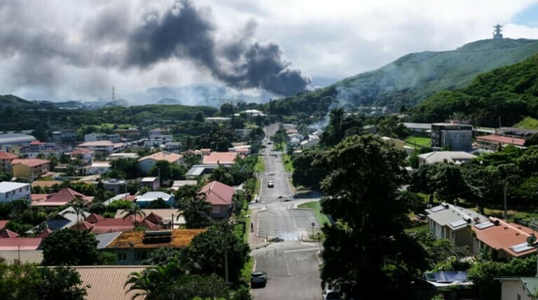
367 254
70 247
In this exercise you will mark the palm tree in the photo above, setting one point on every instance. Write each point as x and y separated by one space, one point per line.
196 211
77 206
151 279
134 212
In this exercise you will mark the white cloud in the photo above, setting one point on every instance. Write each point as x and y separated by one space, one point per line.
335 38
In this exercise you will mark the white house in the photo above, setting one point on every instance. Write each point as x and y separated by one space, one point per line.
147 162
453 157
311 142
152 183
10 191
98 168
149 197
447 221
519 288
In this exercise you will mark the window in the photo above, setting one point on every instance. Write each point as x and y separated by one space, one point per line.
141 255
122 256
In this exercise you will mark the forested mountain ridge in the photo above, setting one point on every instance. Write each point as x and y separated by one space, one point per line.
504 95
413 78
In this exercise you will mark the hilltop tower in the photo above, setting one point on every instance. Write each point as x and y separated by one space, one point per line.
497 33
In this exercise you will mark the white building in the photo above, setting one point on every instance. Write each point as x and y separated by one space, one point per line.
451 157
98 168
94 137
147 162
122 155
149 197
311 142
10 191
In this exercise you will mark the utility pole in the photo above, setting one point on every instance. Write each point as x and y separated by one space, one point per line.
505 202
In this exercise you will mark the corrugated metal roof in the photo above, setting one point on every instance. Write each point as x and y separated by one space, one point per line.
107 282
105 239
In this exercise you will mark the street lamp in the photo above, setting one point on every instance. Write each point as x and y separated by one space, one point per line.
319 240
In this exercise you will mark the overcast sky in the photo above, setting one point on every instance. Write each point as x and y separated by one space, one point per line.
64 49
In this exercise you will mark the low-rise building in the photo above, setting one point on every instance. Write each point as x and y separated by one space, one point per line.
311 142
147 198
451 157
447 221
122 155
509 240
220 196
198 170
94 137
99 146
29 168
167 217
179 183
114 185
396 143
132 248
453 135
82 154
5 161
174 147
519 288
494 142
108 282
147 162
217 119
220 158
97 168
10 191
152 183
65 136
61 198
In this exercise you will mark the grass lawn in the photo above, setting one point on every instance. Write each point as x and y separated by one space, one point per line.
527 123
288 164
419 141
260 165
316 207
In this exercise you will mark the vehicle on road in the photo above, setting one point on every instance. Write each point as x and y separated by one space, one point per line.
270 184
332 295
258 279
276 239
269 143
287 199
280 197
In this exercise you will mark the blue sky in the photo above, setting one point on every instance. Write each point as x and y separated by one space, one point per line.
528 17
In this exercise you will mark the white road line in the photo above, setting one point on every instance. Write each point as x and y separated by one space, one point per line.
301 250
288 267
254 264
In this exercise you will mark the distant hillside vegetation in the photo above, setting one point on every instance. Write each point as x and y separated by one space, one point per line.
509 93
413 78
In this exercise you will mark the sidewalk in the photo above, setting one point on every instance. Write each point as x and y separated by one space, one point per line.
254 241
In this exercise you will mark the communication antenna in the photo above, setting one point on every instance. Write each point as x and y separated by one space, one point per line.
113 94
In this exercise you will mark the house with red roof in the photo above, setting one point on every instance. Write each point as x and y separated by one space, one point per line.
3 224
14 248
31 168
220 158
62 198
97 224
220 196
5 161
509 240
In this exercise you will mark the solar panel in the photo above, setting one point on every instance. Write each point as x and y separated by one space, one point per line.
521 247
458 223
484 225
437 208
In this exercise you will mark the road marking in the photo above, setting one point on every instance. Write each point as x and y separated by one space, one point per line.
288 268
301 250
254 265
308 244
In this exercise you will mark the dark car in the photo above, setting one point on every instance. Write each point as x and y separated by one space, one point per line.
258 279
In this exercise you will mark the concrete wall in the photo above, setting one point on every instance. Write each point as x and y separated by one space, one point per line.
513 290
146 165
20 193
26 256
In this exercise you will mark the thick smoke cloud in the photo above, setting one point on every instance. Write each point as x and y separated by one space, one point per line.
180 31
185 32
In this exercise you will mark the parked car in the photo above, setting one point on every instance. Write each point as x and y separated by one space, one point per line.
332 295
270 184
258 279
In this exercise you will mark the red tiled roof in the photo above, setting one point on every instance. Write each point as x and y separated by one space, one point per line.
39 197
36 143
3 223
225 158
148 224
169 157
5 155
45 233
10 244
30 162
153 218
502 139
6 233
218 193
63 197
504 236
94 218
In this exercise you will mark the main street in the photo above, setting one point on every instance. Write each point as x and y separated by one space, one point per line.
292 266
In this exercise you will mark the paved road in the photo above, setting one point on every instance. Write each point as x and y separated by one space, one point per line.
292 266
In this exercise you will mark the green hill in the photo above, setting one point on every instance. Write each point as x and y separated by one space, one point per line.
506 95
14 102
412 78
